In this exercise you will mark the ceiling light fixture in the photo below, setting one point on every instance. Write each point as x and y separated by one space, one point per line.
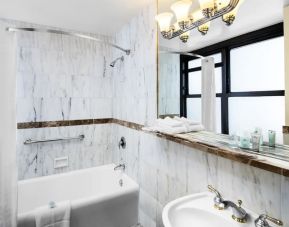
209 10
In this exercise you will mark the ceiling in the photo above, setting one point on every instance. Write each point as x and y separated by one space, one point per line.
95 16
252 15
108 16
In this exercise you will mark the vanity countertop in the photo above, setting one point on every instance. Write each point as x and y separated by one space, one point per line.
236 154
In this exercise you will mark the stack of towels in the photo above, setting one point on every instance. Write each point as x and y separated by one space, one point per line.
175 125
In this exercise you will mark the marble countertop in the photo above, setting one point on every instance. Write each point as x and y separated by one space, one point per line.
236 154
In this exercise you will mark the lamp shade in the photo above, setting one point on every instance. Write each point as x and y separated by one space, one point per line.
181 9
205 4
222 3
164 21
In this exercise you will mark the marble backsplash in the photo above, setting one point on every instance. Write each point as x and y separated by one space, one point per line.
166 170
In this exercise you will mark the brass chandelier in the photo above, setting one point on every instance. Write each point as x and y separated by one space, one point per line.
186 21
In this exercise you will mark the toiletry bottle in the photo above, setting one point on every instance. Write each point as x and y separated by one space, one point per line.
272 138
255 139
259 131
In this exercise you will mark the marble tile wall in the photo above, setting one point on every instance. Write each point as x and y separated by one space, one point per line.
135 81
62 78
37 160
166 170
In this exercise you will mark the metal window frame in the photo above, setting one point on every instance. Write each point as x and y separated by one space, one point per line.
225 48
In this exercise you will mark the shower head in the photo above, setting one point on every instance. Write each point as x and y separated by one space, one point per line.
113 63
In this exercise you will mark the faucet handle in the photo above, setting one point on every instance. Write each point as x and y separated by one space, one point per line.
212 189
274 220
261 221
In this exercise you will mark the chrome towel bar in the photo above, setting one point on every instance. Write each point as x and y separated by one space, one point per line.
31 141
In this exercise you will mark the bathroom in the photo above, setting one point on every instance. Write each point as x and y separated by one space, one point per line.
91 95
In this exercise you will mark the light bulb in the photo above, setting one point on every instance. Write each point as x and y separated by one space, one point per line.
164 21
197 15
181 10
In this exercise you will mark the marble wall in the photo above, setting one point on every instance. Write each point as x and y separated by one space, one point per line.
166 170
38 159
62 78
134 80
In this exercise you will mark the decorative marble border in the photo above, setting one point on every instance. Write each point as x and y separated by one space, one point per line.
49 124
286 129
257 161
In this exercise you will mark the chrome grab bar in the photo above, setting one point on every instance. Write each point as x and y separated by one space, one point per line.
31 141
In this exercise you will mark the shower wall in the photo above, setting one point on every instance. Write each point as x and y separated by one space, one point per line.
62 78
134 80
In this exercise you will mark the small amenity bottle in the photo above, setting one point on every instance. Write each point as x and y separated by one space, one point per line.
259 131
256 139
272 138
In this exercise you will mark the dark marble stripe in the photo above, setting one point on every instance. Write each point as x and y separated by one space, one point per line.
49 124
128 124
286 129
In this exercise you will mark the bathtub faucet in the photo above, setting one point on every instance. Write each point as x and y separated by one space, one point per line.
120 166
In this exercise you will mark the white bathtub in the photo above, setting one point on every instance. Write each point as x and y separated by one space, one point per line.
97 199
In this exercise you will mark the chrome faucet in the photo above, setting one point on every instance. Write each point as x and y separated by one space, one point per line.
239 214
120 166
218 200
261 221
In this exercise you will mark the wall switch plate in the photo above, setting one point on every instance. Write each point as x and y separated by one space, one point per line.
60 162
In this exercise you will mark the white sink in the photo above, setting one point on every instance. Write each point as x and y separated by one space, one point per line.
198 210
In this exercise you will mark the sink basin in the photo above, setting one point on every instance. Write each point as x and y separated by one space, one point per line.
198 210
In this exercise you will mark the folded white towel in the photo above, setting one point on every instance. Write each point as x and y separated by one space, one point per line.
59 216
168 122
186 121
172 130
195 128
175 130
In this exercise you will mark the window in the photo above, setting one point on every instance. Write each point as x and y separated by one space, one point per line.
249 72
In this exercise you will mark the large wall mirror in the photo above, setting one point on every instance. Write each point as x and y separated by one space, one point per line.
249 69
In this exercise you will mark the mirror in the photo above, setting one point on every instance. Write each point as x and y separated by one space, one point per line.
249 68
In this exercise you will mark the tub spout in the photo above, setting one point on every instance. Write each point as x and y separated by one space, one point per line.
120 166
